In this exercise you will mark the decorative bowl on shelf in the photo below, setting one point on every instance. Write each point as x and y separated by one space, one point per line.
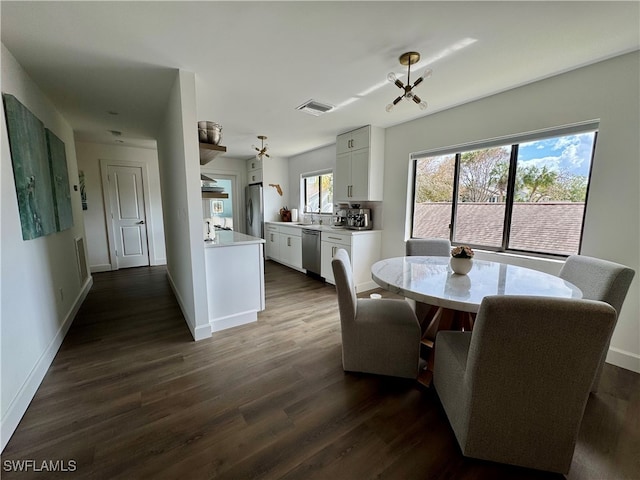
209 132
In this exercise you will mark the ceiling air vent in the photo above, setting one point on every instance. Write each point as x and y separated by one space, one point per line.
315 108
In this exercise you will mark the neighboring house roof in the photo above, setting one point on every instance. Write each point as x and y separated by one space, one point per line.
542 227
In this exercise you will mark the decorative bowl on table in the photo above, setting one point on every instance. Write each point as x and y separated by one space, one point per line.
461 260
461 266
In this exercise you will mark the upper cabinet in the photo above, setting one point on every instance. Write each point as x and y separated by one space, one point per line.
254 171
354 140
359 165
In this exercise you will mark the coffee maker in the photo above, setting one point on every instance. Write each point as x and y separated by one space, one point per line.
359 219
340 214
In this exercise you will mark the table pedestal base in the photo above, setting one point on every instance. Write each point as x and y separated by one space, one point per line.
443 319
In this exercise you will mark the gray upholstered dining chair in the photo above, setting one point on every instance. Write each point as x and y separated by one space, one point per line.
515 388
380 336
438 247
599 280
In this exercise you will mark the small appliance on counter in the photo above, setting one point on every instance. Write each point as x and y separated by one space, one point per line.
359 219
341 215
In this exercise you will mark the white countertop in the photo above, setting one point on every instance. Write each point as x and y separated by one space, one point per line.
226 238
430 280
322 228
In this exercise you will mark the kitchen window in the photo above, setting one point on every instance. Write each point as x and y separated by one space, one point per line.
318 192
523 194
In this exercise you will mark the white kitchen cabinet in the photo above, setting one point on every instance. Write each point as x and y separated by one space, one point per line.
272 241
353 140
359 165
284 244
329 245
291 246
255 176
364 249
254 170
254 164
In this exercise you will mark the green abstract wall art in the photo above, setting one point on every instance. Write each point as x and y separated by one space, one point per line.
40 171
59 181
30 170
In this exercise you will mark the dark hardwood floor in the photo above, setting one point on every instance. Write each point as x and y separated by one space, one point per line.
130 395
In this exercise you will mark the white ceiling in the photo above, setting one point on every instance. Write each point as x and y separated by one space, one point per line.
255 62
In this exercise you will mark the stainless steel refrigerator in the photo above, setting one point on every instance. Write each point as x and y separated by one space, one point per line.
254 210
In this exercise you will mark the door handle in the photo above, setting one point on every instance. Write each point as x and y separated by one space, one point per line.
288 241
141 222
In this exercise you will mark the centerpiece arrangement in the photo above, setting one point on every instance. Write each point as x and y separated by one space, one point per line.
461 259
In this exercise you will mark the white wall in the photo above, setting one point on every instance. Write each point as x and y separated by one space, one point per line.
608 91
95 220
34 316
179 162
275 170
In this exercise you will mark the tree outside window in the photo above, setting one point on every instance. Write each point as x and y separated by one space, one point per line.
318 193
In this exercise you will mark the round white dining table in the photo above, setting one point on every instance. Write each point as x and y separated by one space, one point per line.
431 280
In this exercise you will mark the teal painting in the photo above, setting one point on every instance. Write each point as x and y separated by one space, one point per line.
59 181
30 170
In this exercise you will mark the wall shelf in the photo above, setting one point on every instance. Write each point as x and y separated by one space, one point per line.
214 195
209 151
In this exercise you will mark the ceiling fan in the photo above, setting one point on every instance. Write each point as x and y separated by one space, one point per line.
262 151
408 59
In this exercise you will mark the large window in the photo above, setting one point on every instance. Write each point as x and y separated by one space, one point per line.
527 195
318 192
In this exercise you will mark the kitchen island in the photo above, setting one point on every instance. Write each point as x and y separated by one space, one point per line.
235 279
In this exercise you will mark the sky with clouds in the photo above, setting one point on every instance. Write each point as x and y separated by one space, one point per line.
571 153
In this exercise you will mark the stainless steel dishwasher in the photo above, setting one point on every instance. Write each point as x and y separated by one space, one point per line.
311 250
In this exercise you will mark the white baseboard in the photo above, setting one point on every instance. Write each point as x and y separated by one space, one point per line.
158 261
233 321
21 401
198 333
624 359
365 286
106 267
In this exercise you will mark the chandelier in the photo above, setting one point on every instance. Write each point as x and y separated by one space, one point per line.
262 151
408 59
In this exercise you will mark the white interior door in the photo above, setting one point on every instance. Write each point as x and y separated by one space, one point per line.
128 218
